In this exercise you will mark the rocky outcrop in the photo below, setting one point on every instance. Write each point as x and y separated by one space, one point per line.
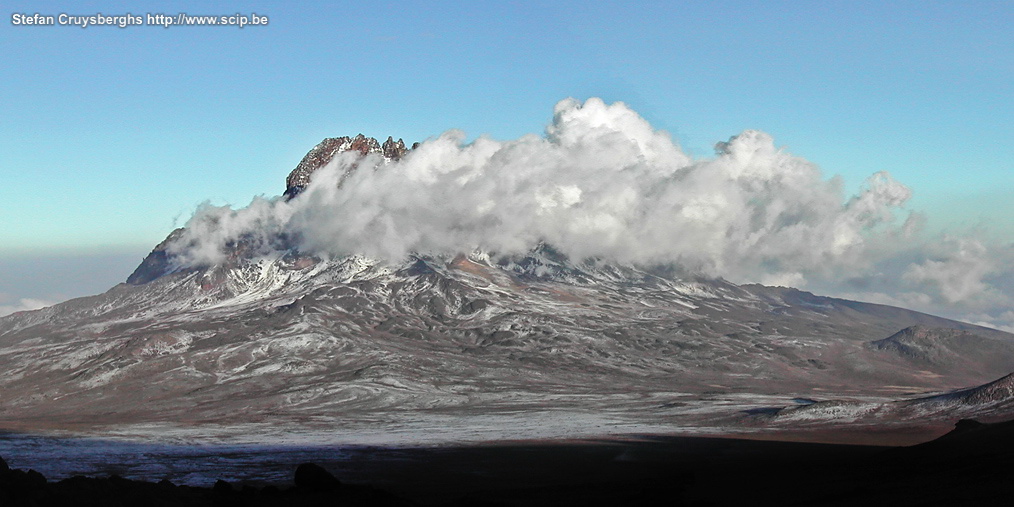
313 477
157 263
955 350
394 150
329 148
998 391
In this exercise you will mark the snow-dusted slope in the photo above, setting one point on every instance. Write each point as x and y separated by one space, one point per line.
268 333
292 338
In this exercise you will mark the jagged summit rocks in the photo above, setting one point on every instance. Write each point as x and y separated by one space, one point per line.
326 150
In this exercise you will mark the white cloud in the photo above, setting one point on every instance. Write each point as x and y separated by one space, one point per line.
958 273
602 182
9 305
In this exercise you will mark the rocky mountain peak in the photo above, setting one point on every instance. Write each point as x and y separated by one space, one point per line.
329 148
157 263
394 150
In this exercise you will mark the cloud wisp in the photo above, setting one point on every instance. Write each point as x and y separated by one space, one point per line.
10 304
602 182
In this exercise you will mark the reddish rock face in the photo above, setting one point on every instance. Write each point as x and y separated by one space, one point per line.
326 151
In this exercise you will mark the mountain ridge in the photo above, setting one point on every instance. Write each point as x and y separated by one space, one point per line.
281 336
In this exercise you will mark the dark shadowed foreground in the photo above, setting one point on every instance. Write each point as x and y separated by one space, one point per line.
971 465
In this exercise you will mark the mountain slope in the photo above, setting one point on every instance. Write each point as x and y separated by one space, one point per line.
279 335
269 339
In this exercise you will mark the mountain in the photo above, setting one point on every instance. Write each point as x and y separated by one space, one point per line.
947 350
329 148
283 337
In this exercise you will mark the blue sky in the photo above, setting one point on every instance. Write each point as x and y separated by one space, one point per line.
110 137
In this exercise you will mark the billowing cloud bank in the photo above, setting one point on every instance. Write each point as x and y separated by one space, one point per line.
602 182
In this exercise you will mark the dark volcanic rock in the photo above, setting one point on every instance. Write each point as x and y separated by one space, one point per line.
222 487
35 479
313 477
326 151
394 150
315 487
987 447
157 263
